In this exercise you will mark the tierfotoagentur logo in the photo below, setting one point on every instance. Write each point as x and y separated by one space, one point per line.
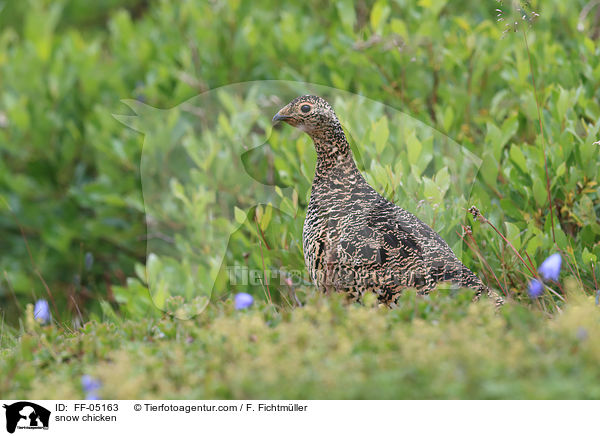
203 211
26 415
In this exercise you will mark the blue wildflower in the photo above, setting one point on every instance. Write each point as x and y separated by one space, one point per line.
90 387
41 311
89 260
535 288
581 334
243 301
550 268
89 383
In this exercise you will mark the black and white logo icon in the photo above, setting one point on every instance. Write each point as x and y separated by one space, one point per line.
26 415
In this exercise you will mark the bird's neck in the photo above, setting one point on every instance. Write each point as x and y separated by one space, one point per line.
333 151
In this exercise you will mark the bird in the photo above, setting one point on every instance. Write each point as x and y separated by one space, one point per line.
356 241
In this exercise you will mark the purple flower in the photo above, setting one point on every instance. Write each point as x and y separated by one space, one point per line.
89 260
550 268
535 288
41 312
89 383
90 387
243 301
581 334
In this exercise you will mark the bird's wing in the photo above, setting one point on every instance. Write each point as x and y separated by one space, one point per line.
395 236
383 238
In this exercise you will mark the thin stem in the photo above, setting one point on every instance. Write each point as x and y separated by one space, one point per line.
12 291
265 280
554 292
476 250
537 103
529 259
576 272
261 233
33 264
533 271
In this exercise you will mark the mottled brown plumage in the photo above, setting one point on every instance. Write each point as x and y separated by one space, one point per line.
354 239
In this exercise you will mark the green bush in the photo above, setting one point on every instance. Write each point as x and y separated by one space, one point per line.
70 173
440 346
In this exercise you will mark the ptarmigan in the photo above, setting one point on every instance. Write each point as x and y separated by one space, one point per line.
356 241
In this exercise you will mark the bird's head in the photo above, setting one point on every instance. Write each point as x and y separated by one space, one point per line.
309 113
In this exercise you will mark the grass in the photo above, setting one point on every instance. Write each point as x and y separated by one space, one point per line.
439 346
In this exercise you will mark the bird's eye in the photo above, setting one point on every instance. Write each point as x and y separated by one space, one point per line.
305 108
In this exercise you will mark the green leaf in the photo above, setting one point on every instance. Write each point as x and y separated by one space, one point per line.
533 245
431 191
513 234
562 168
178 191
448 118
240 215
517 156
493 137
561 238
398 26
529 105
539 192
509 128
562 105
489 169
379 14
435 6
588 257
266 217
380 133
442 180
347 14
413 148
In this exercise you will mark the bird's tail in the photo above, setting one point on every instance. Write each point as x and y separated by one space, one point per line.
470 280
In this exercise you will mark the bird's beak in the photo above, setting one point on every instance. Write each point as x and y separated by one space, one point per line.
281 116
